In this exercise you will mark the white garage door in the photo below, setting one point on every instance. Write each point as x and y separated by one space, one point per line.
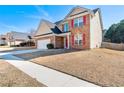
42 44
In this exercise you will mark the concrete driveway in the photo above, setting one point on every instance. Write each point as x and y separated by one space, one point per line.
47 76
6 49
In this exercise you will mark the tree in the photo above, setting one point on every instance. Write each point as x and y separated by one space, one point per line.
110 32
32 32
116 32
119 33
30 39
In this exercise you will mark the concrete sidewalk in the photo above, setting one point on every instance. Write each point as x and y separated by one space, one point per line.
47 76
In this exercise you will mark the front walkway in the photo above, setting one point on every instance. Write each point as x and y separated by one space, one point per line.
47 76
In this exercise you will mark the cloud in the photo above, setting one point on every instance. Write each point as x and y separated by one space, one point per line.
34 16
41 11
20 12
41 14
9 27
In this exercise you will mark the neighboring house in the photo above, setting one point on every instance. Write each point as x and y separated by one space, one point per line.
3 40
15 38
80 29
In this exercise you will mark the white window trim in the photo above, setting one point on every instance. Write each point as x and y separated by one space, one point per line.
78 21
65 28
78 39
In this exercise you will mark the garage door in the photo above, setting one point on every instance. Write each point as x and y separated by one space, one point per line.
42 44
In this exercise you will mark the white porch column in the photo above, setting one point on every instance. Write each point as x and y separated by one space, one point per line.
68 41
54 41
64 43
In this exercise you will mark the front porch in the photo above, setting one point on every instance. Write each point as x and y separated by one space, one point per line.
62 41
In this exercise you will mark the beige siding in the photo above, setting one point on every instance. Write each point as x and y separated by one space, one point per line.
43 29
95 31
77 10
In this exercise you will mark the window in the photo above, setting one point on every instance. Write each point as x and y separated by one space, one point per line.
78 22
66 27
78 39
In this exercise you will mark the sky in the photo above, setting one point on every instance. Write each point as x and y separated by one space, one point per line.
24 18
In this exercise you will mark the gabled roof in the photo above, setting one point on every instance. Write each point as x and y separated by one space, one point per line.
15 32
2 36
56 30
58 22
98 10
49 26
95 10
17 35
52 27
80 10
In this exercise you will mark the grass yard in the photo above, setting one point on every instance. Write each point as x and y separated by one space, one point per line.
103 67
12 77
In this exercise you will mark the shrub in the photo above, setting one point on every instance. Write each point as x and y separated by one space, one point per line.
28 43
50 46
23 44
14 45
2 44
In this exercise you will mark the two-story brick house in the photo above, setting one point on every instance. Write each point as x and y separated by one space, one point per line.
81 29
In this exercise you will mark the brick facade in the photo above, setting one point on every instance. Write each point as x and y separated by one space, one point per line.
59 42
85 31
